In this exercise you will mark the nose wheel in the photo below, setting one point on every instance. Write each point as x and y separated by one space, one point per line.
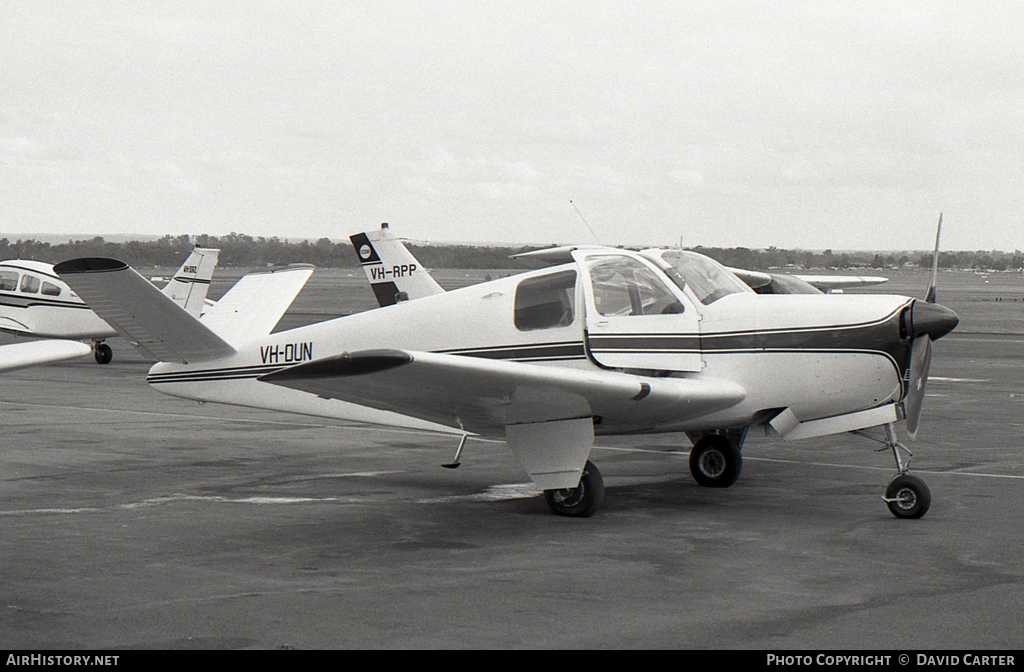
906 496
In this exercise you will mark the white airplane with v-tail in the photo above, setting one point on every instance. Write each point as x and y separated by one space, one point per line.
608 342
35 303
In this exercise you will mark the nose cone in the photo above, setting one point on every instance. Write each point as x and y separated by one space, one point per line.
933 319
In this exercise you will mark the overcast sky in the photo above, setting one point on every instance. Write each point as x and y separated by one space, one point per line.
844 125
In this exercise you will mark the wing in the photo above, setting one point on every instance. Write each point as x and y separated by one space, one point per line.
486 396
753 279
828 283
18 355
255 304
140 312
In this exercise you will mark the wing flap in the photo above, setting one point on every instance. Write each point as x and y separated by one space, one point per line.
140 312
255 304
485 396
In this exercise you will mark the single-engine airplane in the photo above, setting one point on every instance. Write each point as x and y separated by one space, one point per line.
34 302
606 342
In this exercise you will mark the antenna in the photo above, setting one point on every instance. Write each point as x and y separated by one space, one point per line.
585 221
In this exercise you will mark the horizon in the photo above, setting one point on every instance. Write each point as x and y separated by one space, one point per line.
60 239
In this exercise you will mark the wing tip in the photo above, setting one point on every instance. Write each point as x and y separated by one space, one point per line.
89 265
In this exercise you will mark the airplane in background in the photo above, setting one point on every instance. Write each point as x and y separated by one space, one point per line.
34 302
605 342
396 275
784 283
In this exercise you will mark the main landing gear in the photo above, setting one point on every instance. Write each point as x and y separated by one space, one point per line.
582 500
102 352
715 461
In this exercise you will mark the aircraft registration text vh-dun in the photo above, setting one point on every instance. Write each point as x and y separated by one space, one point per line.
288 353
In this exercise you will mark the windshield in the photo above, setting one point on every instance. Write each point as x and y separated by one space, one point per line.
705 277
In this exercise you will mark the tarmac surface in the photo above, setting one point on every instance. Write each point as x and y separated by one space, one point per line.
129 519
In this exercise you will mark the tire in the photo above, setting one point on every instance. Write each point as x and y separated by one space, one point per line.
102 353
715 462
581 501
912 495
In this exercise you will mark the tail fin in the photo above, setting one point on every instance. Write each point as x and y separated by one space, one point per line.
256 303
140 312
393 272
189 286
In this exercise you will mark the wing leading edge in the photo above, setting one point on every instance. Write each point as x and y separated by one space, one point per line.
485 396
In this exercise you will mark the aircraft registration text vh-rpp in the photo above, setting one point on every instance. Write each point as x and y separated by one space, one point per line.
381 273
287 353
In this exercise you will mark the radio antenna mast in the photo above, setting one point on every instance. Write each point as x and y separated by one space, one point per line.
585 222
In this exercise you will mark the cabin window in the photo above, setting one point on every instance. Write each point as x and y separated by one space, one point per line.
29 284
625 286
545 302
50 289
8 281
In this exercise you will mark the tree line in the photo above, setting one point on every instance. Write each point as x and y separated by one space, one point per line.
242 250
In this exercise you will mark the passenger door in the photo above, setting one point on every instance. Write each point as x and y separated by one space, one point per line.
635 317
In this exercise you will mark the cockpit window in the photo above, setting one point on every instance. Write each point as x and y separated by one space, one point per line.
705 277
29 284
50 289
545 302
8 281
625 286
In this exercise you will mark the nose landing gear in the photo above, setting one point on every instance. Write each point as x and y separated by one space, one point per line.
906 496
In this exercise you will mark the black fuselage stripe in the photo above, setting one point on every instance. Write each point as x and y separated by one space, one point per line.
870 338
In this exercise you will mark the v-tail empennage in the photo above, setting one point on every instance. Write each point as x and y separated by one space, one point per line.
393 272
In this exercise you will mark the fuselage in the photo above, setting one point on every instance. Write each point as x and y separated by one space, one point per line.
818 355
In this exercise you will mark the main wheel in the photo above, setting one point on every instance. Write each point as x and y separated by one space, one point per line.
908 497
583 500
103 353
715 462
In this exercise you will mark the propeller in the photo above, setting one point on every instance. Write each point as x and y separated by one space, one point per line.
928 321
920 361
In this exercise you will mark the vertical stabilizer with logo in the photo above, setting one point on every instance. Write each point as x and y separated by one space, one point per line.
393 272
